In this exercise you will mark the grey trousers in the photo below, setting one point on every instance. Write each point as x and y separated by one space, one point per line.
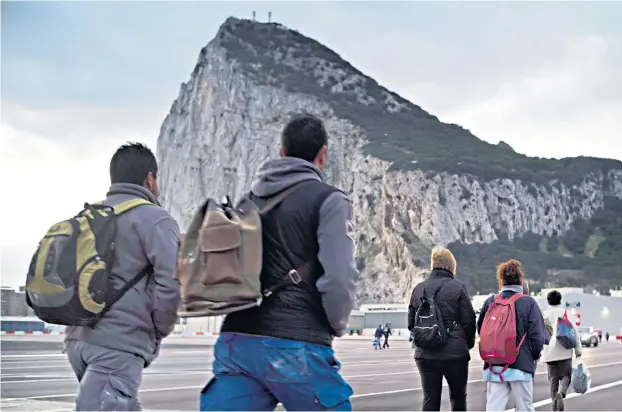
109 379
498 393
560 374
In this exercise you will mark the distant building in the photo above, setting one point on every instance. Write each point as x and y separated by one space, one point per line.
395 314
356 322
14 302
14 324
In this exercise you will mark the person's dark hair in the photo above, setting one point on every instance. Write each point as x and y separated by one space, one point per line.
131 163
510 273
554 298
303 137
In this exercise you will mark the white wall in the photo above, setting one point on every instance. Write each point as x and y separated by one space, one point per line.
208 324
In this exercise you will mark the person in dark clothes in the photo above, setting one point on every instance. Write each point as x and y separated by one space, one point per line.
386 332
378 335
452 360
607 337
281 351
558 359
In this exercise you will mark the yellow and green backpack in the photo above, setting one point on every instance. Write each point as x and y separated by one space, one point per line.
68 281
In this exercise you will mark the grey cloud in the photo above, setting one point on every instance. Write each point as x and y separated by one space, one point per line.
128 59
83 124
14 262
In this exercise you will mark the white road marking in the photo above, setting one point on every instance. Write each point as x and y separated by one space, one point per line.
73 378
364 395
574 395
355 396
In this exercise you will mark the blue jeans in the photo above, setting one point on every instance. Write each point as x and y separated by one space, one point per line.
254 373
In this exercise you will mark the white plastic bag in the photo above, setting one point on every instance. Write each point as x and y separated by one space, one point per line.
581 378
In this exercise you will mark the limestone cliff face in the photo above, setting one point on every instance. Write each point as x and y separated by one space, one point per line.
227 120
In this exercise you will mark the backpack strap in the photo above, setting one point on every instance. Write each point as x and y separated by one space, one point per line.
129 205
278 198
119 209
515 297
438 289
293 277
114 295
303 272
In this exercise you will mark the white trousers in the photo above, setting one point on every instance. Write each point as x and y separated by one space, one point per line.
498 393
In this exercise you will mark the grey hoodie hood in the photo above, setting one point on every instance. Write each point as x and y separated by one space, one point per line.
276 175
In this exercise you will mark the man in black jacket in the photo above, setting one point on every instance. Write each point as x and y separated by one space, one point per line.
281 351
386 332
451 360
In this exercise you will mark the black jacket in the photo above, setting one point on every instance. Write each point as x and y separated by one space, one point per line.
455 305
289 240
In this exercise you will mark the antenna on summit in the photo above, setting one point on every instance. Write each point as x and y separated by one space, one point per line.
253 16
269 16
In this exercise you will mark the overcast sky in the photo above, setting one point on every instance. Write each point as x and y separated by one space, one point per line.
81 78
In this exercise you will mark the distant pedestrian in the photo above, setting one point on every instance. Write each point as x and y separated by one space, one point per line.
443 337
528 327
557 358
607 337
386 332
378 335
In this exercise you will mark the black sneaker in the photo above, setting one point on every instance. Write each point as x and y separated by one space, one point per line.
559 402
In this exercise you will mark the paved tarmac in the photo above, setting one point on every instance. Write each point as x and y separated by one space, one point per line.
36 376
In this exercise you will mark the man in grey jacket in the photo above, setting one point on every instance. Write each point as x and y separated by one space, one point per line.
281 351
108 358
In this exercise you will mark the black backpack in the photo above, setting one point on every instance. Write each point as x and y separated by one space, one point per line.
430 331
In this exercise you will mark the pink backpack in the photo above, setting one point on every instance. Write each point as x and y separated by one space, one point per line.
497 338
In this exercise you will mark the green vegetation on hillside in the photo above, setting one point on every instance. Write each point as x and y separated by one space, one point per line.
411 138
587 255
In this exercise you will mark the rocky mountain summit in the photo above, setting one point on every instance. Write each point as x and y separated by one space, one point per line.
415 181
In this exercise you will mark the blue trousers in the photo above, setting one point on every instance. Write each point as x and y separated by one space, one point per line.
254 373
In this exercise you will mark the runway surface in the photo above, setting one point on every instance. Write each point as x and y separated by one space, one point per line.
36 376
